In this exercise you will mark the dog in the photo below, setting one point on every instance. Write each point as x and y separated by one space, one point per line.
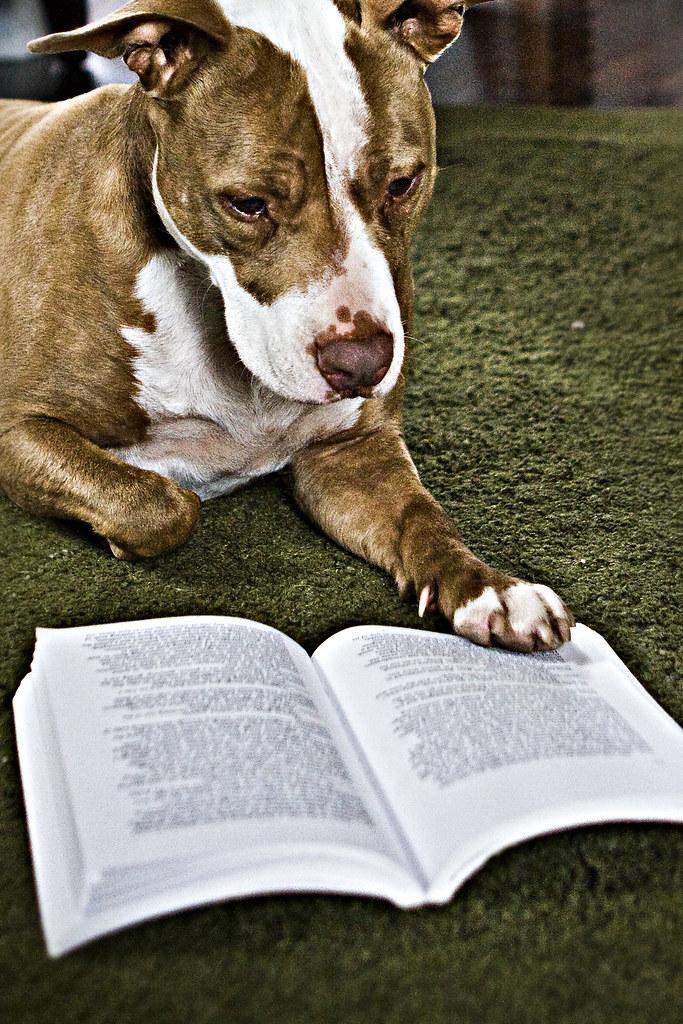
206 278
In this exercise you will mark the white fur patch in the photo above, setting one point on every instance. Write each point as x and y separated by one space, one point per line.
525 607
274 341
212 426
312 32
528 609
473 618
551 599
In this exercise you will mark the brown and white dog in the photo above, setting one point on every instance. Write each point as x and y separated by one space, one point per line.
205 278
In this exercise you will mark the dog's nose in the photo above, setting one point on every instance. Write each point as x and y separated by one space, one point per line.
352 366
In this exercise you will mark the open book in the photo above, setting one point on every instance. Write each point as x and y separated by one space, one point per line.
174 762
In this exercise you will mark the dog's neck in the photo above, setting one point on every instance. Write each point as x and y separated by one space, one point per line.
121 194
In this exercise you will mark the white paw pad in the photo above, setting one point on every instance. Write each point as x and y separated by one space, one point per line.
525 617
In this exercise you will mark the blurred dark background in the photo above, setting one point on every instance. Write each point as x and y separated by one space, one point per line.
560 52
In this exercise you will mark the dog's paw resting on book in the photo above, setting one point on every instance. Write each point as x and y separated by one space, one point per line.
507 612
522 616
482 604
233 293
366 494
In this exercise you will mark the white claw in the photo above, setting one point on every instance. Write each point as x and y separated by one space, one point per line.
424 600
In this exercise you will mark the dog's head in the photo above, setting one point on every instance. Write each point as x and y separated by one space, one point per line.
295 154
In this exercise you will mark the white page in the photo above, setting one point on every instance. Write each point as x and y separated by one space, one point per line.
71 914
56 864
477 749
195 737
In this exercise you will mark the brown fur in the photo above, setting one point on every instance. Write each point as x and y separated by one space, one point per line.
78 224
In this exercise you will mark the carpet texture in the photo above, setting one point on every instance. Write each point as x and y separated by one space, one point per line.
556 448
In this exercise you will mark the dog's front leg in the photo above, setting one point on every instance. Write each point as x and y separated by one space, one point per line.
364 491
49 468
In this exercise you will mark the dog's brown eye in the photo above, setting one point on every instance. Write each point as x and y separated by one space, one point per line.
400 187
246 207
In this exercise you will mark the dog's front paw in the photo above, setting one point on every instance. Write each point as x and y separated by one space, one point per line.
522 616
162 517
487 606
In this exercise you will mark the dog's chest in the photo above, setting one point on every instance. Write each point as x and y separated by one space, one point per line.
213 427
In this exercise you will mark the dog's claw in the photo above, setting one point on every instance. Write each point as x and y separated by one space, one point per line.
425 600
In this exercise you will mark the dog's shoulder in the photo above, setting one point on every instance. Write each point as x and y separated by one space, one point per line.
33 124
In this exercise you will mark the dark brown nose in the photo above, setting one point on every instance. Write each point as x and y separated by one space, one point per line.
352 365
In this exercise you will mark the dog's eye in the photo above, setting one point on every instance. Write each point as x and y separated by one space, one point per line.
401 187
246 207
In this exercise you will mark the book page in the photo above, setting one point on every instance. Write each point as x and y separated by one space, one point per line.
187 738
476 749
57 865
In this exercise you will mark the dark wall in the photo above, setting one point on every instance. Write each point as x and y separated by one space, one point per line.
566 52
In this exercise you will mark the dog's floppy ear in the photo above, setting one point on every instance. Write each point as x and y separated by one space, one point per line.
162 41
428 27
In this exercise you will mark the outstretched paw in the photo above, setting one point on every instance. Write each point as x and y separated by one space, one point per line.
506 613
523 617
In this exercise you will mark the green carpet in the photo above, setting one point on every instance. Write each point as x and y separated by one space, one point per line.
557 451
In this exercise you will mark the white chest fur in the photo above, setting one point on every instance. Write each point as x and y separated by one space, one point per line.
213 426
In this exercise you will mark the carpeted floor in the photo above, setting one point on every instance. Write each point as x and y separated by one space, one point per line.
557 450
